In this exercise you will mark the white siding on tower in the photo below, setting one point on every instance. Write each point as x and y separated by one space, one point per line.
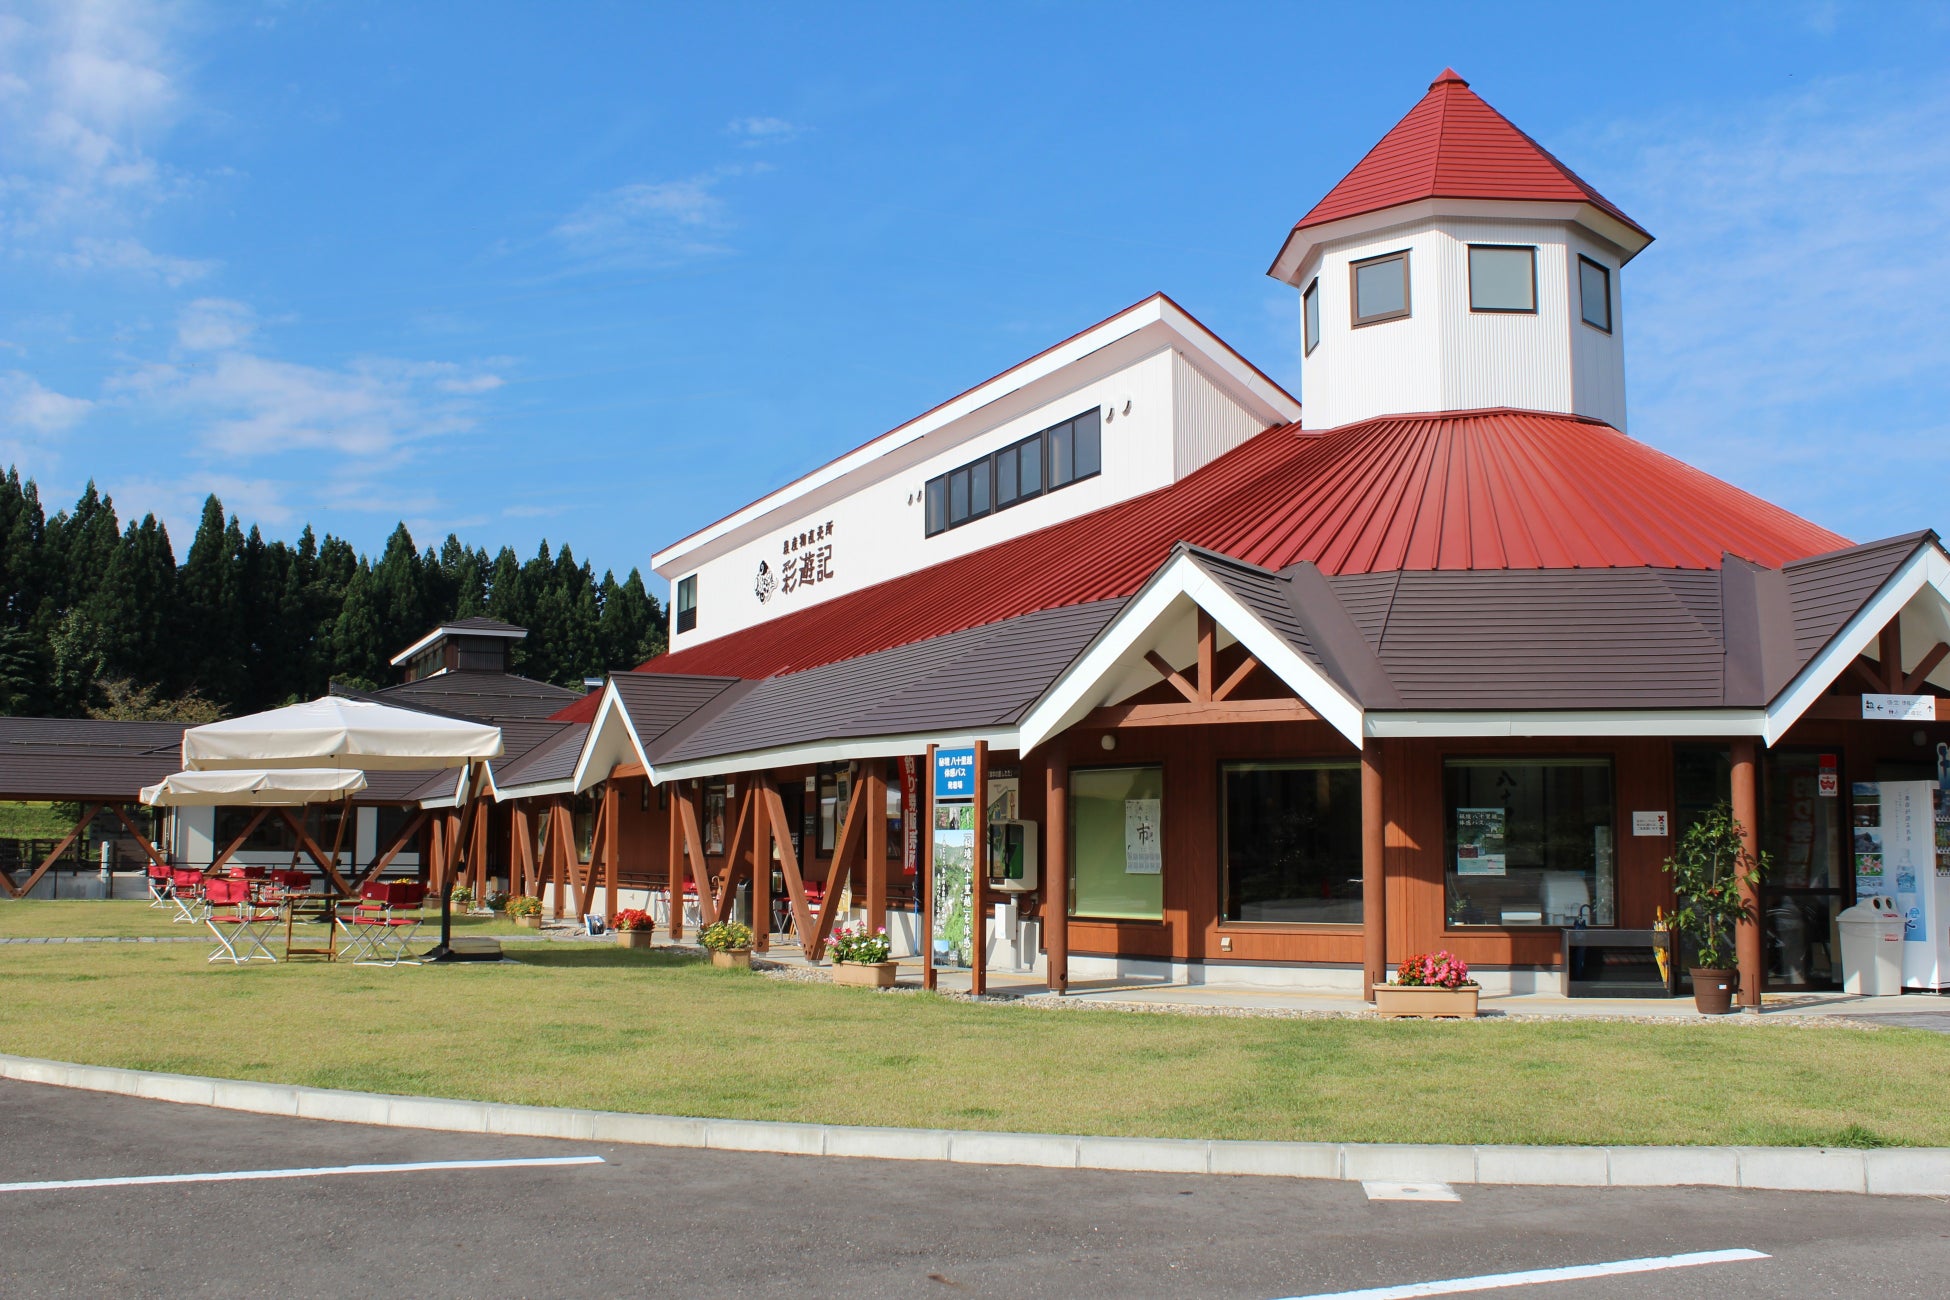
1206 423
1598 358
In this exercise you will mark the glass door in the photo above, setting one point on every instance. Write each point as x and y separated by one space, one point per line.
1804 830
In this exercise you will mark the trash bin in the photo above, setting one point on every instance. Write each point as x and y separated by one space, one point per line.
1872 948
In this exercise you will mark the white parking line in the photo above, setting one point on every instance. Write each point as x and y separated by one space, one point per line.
1537 1276
248 1175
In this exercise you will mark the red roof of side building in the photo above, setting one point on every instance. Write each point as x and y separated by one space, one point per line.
1453 145
1495 489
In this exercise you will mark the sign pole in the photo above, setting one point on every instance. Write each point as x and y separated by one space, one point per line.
978 878
926 882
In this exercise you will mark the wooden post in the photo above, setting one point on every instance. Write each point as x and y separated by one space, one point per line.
925 881
876 797
559 834
1208 654
978 878
521 848
477 852
762 832
846 849
1746 811
795 884
1889 647
673 858
1056 873
1374 887
612 839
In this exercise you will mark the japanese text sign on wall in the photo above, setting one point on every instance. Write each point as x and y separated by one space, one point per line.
1900 708
1649 823
954 773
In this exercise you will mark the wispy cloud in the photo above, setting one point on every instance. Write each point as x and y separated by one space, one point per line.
29 407
654 223
1792 307
753 131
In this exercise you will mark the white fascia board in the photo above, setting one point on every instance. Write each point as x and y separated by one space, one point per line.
1204 349
1073 694
1927 568
439 632
1297 255
831 751
1567 723
610 715
454 800
541 790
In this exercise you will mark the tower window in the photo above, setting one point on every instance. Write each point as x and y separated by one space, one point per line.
1310 315
1502 278
1380 288
1594 293
687 603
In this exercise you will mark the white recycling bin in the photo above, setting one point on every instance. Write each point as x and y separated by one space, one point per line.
1872 948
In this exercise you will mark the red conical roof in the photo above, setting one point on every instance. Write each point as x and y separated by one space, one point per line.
1452 145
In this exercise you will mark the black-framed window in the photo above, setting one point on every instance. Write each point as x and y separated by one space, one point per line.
1594 293
1503 278
1292 847
1116 842
274 833
1530 841
1310 315
835 791
1048 459
687 603
1379 288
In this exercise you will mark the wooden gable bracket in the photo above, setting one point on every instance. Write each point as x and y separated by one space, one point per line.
1199 688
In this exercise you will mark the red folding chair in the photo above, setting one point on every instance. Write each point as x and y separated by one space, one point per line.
159 885
186 891
383 923
285 884
241 926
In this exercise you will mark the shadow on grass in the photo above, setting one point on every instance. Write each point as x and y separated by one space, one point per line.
589 958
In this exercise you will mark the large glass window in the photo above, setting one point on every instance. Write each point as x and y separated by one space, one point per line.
274 834
1310 315
1594 294
835 791
1502 278
1293 842
1116 843
1530 841
1380 288
1054 457
687 603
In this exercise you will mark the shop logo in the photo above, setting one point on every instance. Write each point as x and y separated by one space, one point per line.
766 583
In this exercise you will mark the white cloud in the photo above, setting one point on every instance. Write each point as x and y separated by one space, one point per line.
656 223
763 130
27 407
214 324
1792 304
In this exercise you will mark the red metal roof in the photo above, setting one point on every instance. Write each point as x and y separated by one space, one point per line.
1453 145
1495 489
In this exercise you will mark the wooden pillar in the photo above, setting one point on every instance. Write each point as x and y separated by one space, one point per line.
1889 648
978 882
762 832
612 839
1056 872
559 834
673 861
876 810
925 881
1746 811
1374 888
477 850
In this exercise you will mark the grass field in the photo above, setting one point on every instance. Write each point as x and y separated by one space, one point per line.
36 821
589 1025
128 918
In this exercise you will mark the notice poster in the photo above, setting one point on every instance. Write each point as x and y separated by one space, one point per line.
1143 847
953 882
1865 833
1479 841
1942 808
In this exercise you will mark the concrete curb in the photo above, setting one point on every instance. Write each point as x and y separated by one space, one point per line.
1901 1171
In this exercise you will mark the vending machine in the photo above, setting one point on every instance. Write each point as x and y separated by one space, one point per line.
1901 856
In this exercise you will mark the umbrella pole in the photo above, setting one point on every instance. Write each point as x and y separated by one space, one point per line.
469 810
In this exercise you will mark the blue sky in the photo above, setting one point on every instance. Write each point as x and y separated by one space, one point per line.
602 273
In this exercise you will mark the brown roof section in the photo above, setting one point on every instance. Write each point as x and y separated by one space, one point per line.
83 758
479 696
1827 590
551 759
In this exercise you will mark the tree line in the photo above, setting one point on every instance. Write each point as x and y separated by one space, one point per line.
100 620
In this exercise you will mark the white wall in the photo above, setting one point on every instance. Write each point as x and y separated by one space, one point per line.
1445 357
1177 421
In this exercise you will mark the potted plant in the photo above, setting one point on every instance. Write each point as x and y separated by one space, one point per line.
861 957
525 911
634 927
730 943
1710 872
461 895
1427 985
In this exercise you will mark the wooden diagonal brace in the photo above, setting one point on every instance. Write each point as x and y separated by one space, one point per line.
147 848
397 847
257 819
795 885
326 864
1172 675
845 850
1928 665
20 891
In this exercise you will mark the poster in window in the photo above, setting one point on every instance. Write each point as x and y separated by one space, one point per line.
1479 841
953 882
1143 847
714 822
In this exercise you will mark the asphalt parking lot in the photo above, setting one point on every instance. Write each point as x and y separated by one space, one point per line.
652 1221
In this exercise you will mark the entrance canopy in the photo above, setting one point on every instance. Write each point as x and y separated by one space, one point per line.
286 788
334 732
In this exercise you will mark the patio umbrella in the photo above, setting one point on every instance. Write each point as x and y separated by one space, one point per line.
283 788
363 735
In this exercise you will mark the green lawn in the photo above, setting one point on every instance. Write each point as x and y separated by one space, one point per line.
36 821
643 1031
123 918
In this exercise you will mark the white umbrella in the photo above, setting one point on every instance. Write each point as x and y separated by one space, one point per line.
334 732
283 788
